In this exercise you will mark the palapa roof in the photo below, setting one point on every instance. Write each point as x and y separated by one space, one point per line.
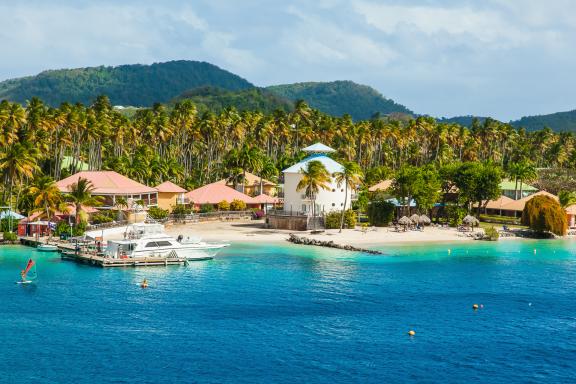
106 183
265 199
381 186
215 193
170 187
518 205
318 148
331 165
250 179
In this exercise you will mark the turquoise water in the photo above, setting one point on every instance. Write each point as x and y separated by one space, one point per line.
286 314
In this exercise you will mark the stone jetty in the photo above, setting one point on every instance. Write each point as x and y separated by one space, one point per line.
329 244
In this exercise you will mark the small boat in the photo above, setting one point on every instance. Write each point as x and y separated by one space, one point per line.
47 248
30 269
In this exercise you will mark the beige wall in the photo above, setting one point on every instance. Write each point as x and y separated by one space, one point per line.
166 200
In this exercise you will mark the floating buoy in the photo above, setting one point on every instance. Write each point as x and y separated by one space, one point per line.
449 251
144 284
529 304
481 306
534 250
411 333
475 306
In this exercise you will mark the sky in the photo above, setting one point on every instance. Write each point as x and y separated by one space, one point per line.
499 58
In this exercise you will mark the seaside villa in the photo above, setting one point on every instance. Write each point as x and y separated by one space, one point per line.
170 195
111 186
215 193
297 213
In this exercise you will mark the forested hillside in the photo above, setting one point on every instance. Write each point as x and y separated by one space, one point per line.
137 85
560 122
341 97
253 99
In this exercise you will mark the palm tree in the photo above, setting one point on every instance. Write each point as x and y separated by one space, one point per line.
526 172
314 178
121 204
17 162
249 158
350 175
47 197
81 196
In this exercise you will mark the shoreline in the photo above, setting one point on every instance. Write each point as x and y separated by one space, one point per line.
248 231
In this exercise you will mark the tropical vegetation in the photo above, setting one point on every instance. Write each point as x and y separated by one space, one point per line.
543 214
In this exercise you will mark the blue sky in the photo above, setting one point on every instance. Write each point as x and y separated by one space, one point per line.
502 58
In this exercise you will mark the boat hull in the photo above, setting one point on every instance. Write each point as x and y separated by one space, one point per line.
47 248
189 252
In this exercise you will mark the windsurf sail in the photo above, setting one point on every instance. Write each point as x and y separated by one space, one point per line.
30 269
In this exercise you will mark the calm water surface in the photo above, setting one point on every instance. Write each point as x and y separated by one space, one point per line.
288 314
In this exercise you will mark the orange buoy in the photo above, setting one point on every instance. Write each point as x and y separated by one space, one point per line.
411 333
475 306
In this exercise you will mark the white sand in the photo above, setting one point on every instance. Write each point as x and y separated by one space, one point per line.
254 231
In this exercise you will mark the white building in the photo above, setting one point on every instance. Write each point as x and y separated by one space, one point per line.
327 200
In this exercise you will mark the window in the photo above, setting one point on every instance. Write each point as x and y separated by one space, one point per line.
333 190
303 207
342 190
164 243
341 204
333 204
151 244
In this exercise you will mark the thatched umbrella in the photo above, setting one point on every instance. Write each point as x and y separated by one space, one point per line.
415 218
424 220
404 221
471 221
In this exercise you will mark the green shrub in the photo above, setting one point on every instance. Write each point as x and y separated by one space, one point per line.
381 212
455 215
101 218
62 227
237 205
491 234
157 213
10 236
5 225
206 208
181 209
544 214
332 219
223 206
79 229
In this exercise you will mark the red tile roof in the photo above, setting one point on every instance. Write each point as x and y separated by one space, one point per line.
170 187
106 183
265 199
215 193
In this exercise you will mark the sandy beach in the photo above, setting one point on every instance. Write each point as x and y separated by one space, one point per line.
254 231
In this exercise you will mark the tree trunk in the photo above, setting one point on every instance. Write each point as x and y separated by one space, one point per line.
344 207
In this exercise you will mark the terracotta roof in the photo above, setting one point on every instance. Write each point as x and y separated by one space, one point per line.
571 209
265 199
170 187
499 202
106 183
251 179
70 211
215 193
518 205
381 186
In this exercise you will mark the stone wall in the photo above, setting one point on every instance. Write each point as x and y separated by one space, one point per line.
292 223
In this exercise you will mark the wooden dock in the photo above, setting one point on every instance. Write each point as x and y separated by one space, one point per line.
69 252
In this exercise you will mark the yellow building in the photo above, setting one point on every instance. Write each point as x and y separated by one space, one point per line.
251 186
169 195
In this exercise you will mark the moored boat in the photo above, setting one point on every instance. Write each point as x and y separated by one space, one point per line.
47 248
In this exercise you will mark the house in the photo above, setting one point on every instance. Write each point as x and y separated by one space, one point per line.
251 185
506 206
111 186
511 190
326 200
215 193
33 225
170 195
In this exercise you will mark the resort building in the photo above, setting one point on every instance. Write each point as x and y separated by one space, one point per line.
251 185
170 195
506 206
511 190
36 225
215 193
111 186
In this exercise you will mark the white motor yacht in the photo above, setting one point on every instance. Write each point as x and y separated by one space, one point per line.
150 240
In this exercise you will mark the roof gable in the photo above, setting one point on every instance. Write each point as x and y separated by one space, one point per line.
331 165
106 182
215 193
170 187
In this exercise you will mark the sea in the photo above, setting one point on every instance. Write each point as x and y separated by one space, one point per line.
282 313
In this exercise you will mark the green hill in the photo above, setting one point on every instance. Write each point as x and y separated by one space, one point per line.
340 97
253 99
462 120
137 85
560 121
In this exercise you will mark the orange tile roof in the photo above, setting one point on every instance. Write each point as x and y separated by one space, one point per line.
215 193
499 202
265 199
518 205
170 187
251 179
106 183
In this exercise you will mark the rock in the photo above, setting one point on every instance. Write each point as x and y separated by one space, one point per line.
329 244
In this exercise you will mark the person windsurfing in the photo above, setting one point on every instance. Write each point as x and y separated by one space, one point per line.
24 273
